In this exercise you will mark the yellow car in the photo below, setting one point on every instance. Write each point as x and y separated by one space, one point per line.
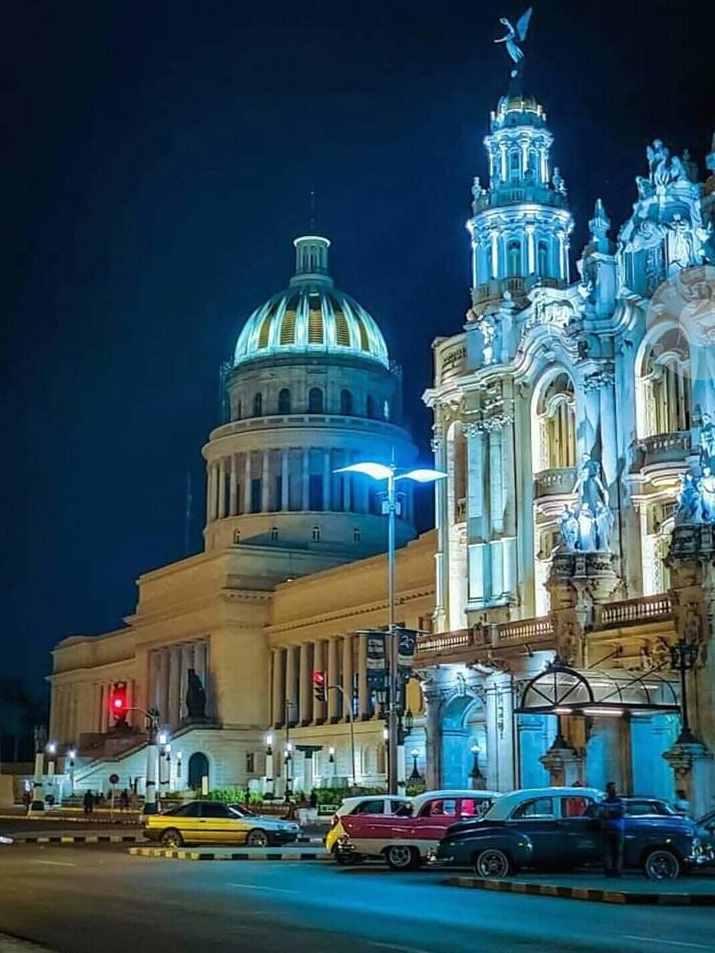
211 822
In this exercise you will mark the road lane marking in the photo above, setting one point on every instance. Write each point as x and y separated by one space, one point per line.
54 863
659 940
259 887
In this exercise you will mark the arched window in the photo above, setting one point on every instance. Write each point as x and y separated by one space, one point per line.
274 533
514 165
316 534
346 402
664 397
513 259
258 404
542 259
284 400
371 407
315 400
356 534
557 426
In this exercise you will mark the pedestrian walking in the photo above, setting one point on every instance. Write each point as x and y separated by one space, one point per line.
682 804
88 802
611 812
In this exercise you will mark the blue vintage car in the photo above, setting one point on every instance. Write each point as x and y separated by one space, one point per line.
558 827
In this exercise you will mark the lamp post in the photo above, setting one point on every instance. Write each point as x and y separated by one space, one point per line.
71 755
289 772
38 797
391 474
333 765
348 703
270 782
415 776
683 656
475 775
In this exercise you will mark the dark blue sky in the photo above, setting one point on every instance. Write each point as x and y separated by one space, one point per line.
159 159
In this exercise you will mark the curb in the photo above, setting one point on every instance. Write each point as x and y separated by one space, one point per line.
210 855
585 893
59 819
86 839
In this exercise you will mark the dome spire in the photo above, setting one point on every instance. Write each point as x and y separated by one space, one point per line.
311 259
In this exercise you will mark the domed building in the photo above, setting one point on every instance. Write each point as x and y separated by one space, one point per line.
223 645
311 390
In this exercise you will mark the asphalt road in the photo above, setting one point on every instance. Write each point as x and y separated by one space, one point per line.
85 900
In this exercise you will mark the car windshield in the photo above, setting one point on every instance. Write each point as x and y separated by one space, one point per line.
239 811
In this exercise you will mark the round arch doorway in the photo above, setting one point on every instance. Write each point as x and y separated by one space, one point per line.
463 727
198 769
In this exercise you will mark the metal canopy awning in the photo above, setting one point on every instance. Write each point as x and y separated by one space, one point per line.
561 690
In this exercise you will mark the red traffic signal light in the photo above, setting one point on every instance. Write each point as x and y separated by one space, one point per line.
319 686
118 701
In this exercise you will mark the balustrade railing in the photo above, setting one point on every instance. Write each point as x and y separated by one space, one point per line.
633 611
557 481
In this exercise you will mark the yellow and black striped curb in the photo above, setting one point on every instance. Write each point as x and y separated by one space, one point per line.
586 893
253 854
81 839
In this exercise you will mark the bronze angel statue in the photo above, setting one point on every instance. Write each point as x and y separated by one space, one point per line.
516 35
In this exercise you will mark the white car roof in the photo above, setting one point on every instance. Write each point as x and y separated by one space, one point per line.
502 808
420 799
350 802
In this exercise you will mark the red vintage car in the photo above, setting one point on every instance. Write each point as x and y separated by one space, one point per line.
405 838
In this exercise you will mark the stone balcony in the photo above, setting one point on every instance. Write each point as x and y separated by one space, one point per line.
662 456
657 608
466 641
553 489
465 645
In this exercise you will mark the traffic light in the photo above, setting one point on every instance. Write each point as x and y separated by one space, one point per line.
118 702
319 686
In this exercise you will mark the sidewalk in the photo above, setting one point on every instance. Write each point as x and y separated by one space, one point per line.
695 890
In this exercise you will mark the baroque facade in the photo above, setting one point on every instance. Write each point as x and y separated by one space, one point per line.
571 568
565 413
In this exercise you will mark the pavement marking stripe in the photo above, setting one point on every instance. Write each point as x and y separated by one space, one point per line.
54 863
260 887
657 941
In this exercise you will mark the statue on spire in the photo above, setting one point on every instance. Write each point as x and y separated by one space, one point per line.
516 35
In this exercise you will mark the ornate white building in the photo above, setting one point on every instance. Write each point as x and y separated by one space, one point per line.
565 413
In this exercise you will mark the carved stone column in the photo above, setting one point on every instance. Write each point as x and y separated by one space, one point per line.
347 684
291 694
319 708
233 487
442 521
333 679
364 706
278 686
306 689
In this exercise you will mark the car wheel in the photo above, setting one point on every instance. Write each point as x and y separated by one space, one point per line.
493 863
661 865
257 838
171 838
402 857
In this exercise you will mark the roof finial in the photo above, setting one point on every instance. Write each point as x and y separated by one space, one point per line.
312 211
515 36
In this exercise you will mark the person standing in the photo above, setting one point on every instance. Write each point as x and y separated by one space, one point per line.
682 804
88 802
611 812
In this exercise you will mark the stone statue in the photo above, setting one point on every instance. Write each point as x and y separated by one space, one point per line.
680 243
516 35
604 526
707 442
477 189
689 501
691 167
195 697
569 528
707 495
589 487
558 181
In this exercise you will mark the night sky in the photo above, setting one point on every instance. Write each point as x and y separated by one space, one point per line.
158 164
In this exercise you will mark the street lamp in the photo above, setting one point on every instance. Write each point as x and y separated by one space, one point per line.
333 765
289 773
683 656
269 792
476 776
391 474
71 754
415 776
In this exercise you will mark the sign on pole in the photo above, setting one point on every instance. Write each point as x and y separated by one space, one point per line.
376 661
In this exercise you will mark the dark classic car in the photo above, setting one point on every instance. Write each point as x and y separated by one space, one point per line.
558 827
